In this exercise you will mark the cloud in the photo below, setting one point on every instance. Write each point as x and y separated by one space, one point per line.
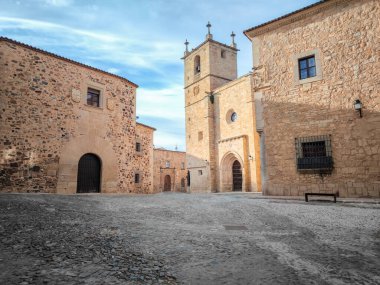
166 103
58 3
100 46
113 70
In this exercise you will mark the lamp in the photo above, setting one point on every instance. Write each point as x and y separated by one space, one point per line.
358 106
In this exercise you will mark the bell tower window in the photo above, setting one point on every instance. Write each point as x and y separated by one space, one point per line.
197 64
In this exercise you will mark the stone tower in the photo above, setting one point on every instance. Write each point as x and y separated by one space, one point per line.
208 66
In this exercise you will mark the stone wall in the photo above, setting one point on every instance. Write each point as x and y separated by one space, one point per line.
236 140
46 125
344 37
144 159
201 149
175 169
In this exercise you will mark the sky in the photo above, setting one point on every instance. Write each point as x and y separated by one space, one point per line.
141 40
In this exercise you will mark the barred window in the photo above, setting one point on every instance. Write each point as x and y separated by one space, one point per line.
314 153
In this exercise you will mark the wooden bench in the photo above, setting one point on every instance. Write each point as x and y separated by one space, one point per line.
320 194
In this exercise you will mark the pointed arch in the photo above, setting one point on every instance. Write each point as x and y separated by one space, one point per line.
226 172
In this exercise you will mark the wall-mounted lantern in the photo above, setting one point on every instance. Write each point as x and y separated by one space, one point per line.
250 157
212 98
358 106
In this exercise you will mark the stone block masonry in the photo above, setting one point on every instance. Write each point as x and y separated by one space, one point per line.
46 124
343 37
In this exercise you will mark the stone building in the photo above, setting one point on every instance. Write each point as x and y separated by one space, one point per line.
170 173
291 125
310 67
221 144
66 127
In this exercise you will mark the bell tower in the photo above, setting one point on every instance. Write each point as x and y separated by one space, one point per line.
208 66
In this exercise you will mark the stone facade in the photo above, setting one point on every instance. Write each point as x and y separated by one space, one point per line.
47 126
343 35
170 173
215 143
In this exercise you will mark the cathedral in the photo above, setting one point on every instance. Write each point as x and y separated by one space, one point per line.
306 119
221 148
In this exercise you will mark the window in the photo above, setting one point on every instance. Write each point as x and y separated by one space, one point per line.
314 153
307 67
93 97
197 64
234 117
231 116
138 147
200 172
182 165
223 53
167 164
137 178
200 136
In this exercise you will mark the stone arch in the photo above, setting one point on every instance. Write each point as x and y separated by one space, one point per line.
73 150
167 183
89 174
197 64
225 175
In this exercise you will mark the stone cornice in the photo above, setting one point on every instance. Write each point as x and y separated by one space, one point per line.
207 41
233 138
291 18
196 81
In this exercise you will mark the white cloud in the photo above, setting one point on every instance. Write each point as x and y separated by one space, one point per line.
113 70
58 3
166 103
130 52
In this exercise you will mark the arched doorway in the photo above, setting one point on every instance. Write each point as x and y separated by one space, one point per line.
231 173
167 183
237 177
88 174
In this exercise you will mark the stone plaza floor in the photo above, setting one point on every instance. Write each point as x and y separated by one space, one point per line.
173 238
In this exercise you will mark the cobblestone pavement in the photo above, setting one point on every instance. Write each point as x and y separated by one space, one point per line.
179 238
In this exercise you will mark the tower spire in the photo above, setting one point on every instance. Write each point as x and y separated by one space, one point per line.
233 44
209 35
187 47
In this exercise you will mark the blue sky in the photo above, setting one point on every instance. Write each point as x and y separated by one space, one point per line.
141 40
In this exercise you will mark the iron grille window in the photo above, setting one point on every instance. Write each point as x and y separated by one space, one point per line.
307 67
93 97
314 153
137 178
138 147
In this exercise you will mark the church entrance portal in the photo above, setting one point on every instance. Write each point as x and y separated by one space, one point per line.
88 174
167 183
237 177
